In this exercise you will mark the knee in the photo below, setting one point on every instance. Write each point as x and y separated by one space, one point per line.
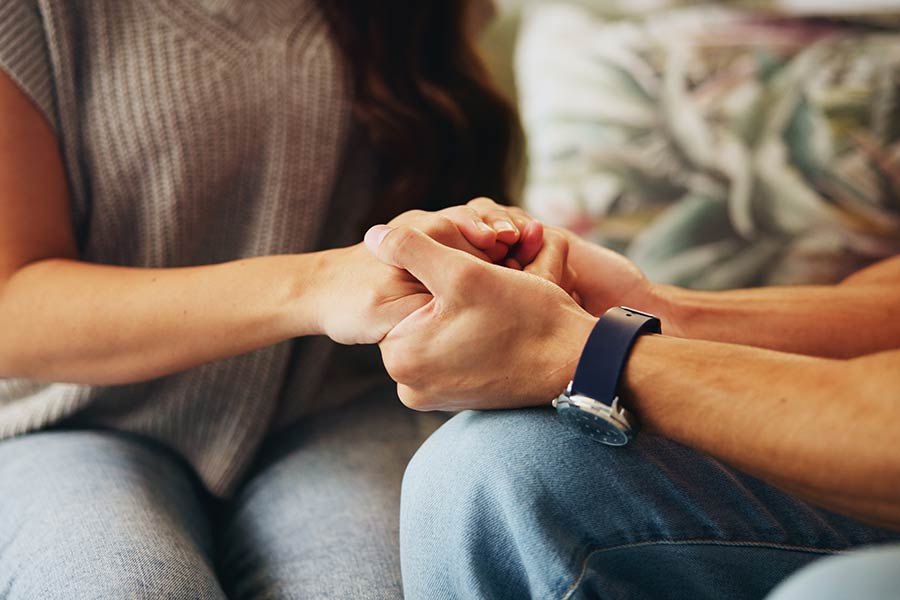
508 498
483 488
94 515
477 458
66 560
522 459
130 575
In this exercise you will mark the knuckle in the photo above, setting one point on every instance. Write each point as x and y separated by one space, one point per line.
399 241
519 216
400 366
408 397
500 214
455 212
370 302
465 274
460 215
571 280
541 272
440 227
399 371
414 399
481 203
556 233
444 222
557 240
409 216
415 213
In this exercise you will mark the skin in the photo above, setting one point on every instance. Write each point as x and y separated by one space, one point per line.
65 320
860 315
498 338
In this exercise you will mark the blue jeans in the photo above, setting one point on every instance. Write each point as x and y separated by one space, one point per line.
95 514
515 505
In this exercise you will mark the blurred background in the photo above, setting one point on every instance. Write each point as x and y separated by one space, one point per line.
717 144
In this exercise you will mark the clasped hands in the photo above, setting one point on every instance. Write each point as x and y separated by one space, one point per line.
476 306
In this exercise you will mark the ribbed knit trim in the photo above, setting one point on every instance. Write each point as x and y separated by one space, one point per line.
23 54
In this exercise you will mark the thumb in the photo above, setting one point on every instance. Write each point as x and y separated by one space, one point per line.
410 249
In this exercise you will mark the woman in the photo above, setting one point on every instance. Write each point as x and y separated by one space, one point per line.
170 173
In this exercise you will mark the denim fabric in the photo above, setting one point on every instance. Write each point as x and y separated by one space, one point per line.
516 505
872 573
319 518
97 514
100 515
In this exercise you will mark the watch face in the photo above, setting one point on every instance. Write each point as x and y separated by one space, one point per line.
598 426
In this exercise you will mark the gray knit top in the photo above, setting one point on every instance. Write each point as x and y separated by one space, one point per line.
193 132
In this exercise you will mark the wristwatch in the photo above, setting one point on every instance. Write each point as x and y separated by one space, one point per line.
591 402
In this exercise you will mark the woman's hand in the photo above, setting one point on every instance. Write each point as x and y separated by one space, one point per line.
522 243
552 262
519 234
492 228
608 278
358 299
487 337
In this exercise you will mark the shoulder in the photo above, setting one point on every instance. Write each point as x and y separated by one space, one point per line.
25 39
21 27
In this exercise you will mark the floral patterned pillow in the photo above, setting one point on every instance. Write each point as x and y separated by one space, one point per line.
718 147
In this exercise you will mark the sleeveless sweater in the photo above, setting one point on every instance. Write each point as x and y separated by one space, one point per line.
193 132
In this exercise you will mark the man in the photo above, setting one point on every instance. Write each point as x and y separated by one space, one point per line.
796 390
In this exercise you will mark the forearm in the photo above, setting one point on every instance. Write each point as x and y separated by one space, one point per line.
823 429
63 320
858 316
831 321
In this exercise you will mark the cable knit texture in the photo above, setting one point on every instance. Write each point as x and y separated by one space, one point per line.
193 132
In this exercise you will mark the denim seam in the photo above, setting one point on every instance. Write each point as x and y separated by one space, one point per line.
698 541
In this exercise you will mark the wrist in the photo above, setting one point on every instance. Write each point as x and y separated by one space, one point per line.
575 328
592 402
322 293
645 374
669 303
658 299
665 301
268 295
311 278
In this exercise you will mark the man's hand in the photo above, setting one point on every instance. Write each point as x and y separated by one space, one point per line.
359 299
607 278
490 337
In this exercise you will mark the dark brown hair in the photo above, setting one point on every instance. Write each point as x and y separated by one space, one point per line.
442 133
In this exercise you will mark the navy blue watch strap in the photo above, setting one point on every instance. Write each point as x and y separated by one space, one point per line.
606 351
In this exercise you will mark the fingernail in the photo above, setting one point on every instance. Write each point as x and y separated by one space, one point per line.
375 235
504 226
484 227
